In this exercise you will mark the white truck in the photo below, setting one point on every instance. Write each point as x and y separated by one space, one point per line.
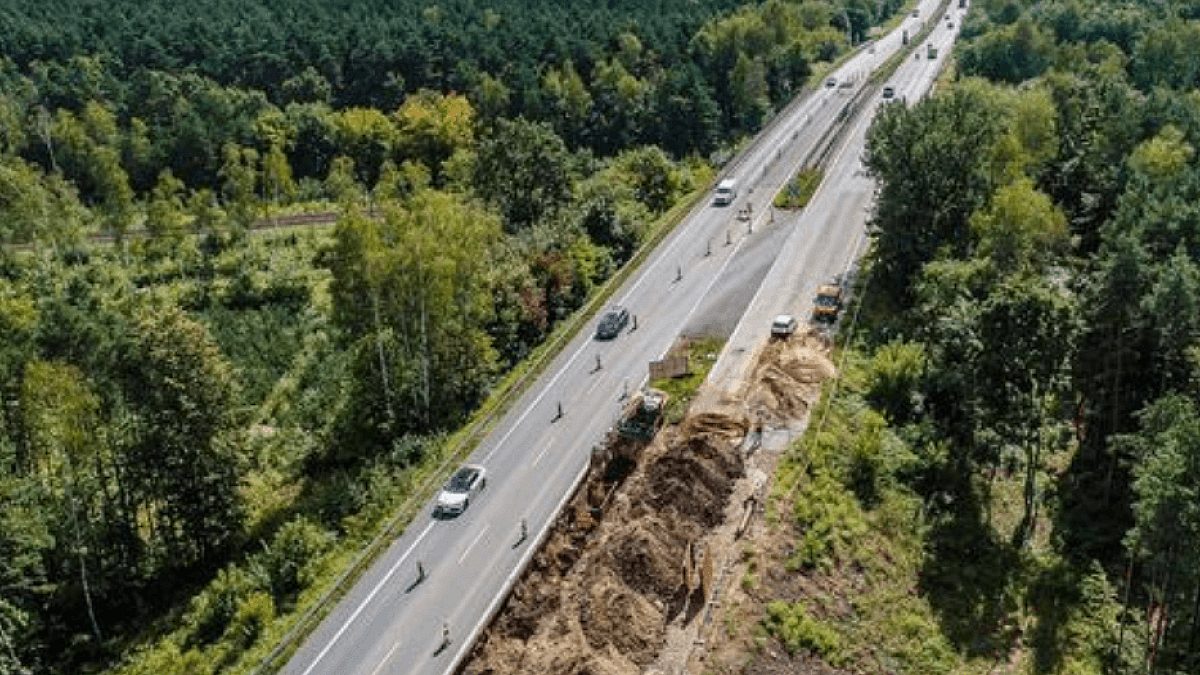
726 192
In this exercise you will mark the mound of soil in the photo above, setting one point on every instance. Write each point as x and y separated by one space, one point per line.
694 479
614 616
788 378
602 589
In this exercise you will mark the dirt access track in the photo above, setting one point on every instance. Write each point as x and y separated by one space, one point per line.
634 557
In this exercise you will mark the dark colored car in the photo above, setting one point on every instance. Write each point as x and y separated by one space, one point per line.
612 323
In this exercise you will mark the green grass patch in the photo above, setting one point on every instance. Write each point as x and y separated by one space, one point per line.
681 390
796 193
792 625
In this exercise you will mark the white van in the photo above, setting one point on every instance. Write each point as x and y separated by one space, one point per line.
726 192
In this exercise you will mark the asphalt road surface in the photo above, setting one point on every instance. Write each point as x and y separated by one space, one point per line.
828 237
394 621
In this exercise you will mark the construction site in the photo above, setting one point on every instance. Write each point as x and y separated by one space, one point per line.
631 576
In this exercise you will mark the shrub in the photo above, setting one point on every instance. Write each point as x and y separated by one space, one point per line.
894 380
799 190
166 657
831 520
791 625
213 609
253 615
287 559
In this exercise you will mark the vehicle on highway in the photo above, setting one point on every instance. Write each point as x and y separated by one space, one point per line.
831 82
611 323
726 192
783 326
931 51
828 303
916 13
846 84
889 91
456 495
949 24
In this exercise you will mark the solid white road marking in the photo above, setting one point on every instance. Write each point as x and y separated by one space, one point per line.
467 550
466 644
370 596
708 288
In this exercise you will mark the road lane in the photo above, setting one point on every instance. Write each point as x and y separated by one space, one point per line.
828 236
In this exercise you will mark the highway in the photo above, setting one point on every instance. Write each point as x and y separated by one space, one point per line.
829 236
392 621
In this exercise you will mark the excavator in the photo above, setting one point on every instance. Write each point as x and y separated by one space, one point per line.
643 415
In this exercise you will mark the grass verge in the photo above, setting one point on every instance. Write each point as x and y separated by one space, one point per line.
681 390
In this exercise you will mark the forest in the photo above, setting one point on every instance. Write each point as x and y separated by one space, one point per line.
1009 477
203 419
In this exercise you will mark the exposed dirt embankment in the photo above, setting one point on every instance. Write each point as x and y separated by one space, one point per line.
633 551
787 380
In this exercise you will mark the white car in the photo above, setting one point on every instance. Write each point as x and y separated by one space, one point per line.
454 498
783 325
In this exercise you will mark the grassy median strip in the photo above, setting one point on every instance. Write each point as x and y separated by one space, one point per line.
702 354
796 193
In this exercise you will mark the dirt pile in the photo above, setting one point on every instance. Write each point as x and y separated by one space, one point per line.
787 380
615 569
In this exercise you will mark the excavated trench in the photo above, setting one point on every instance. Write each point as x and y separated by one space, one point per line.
628 555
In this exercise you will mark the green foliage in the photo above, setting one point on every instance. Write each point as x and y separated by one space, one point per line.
1013 53
831 521
761 55
1037 247
183 391
1164 156
287 560
1078 619
524 169
1163 56
1166 531
213 609
1020 228
798 632
796 193
393 282
681 390
167 657
894 380
655 181
171 404
933 178
254 613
